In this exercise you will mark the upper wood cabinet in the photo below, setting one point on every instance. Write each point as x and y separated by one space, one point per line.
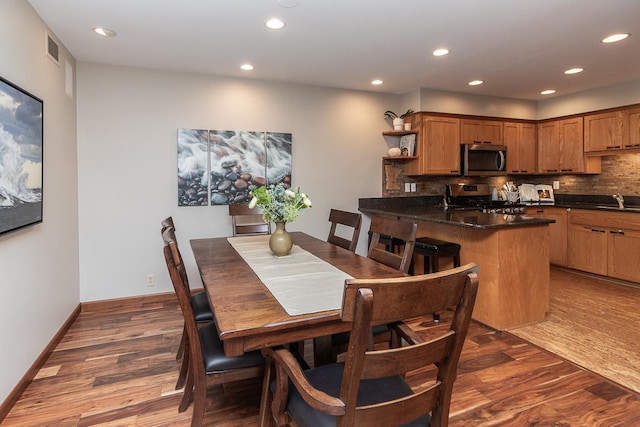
606 131
634 128
561 148
520 139
481 132
438 146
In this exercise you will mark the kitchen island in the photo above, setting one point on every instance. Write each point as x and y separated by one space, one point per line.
511 250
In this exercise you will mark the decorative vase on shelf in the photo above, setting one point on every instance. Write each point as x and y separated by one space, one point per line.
280 241
398 123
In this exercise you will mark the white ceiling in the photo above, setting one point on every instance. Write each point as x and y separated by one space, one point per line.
518 47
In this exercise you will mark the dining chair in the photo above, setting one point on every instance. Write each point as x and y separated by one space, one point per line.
199 301
371 387
405 234
204 347
401 231
248 221
347 219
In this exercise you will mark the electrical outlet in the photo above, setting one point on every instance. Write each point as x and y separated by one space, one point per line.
407 187
151 280
413 187
556 185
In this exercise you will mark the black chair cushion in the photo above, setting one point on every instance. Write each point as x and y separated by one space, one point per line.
213 353
328 378
201 309
435 245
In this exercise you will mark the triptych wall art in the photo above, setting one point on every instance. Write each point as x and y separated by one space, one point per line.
20 157
220 167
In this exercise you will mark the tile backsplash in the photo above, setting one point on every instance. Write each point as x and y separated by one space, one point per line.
619 174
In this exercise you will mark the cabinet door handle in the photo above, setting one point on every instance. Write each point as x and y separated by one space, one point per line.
487 142
613 147
523 171
595 230
620 232
552 170
566 170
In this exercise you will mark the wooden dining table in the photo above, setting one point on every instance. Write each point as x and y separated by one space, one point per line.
249 317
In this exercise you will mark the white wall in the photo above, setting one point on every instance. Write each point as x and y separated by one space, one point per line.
39 285
127 129
459 103
617 95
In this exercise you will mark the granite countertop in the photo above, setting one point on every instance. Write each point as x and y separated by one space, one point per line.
439 214
431 209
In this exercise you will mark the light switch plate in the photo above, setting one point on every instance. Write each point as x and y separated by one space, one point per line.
407 187
413 187
556 185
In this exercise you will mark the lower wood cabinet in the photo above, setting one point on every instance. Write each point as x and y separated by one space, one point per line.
557 232
605 243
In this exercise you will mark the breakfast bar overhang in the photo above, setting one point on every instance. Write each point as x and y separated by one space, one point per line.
512 252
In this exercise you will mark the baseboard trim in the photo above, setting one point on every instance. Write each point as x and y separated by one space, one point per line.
137 301
33 370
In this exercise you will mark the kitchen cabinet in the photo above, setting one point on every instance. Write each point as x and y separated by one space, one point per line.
561 148
520 139
634 128
606 131
481 131
605 243
438 146
557 231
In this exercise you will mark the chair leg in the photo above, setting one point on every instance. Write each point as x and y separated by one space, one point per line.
183 340
184 368
265 400
199 400
187 394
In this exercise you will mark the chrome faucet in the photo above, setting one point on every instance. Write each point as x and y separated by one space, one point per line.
619 199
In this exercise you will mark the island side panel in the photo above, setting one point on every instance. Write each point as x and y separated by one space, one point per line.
514 270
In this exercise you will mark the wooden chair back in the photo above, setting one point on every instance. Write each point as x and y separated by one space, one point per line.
166 223
247 221
178 275
401 230
348 219
370 302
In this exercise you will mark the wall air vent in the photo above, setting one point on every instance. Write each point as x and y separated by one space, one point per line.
52 49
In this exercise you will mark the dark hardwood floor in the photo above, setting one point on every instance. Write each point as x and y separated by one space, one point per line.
116 366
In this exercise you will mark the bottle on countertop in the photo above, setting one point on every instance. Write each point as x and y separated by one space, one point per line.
494 194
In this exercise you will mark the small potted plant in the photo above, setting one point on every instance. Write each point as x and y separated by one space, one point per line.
398 120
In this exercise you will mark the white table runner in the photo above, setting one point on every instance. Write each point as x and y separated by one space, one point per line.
301 282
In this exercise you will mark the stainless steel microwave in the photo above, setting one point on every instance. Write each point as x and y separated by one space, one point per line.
483 159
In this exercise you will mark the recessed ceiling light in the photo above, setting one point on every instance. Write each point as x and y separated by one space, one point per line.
246 67
548 92
104 32
574 70
475 82
440 52
274 24
615 38
376 82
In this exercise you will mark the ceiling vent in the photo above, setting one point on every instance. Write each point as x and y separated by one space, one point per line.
52 49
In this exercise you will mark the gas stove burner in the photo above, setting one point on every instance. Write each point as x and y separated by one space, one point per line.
478 197
513 209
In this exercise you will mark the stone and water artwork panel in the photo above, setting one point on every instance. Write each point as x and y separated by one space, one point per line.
221 167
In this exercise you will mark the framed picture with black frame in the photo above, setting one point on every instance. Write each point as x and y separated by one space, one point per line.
21 144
